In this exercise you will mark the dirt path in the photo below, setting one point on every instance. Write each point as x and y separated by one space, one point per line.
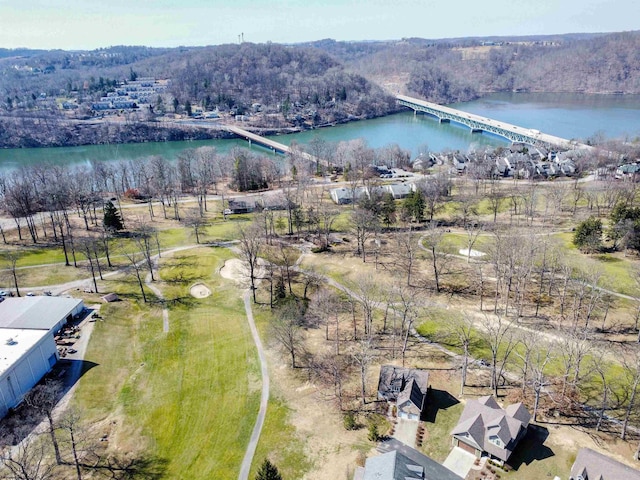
264 398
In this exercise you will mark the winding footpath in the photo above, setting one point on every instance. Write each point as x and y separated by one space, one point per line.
264 399
165 311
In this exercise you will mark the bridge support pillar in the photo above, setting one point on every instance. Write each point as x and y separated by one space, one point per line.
476 130
444 120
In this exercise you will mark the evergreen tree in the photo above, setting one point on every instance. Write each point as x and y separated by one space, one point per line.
388 210
588 235
112 220
268 471
414 205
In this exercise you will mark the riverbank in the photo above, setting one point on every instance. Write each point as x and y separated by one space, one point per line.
37 132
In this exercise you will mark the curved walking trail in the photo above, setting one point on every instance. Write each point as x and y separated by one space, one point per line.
264 398
165 311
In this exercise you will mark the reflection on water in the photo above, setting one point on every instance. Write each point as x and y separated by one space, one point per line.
572 116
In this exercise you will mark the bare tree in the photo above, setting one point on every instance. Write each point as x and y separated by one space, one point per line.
462 329
136 262
332 370
406 252
498 334
43 398
368 291
406 308
473 231
326 306
631 367
143 240
86 247
364 225
598 367
433 242
12 264
362 354
29 460
196 222
250 245
71 423
286 328
539 361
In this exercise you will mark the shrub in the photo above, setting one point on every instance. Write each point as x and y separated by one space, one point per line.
373 434
349 421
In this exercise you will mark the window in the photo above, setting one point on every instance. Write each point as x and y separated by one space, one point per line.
495 440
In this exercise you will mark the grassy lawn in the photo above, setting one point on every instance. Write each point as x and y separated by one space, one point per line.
279 441
617 271
52 275
536 458
442 414
193 393
189 397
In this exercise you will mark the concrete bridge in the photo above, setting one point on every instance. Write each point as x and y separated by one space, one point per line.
481 124
265 142
257 139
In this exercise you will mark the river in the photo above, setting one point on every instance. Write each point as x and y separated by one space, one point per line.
572 116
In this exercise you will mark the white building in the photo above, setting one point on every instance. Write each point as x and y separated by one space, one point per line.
27 348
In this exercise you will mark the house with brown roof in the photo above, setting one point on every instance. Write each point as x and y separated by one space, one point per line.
591 465
486 429
406 387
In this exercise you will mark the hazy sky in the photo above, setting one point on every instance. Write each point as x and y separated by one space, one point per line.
88 24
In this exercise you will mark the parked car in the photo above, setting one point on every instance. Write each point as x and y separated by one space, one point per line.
3 293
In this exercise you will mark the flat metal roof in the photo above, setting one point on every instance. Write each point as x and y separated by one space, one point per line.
15 343
40 313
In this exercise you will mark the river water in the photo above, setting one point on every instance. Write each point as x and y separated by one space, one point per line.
572 116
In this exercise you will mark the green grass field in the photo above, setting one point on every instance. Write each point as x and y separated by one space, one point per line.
192 394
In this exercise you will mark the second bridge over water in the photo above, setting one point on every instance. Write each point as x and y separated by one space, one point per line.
477 123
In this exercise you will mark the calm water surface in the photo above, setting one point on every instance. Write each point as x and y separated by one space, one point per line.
572 116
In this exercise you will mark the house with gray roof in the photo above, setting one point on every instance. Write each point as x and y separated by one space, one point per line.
399 190
486 429
344 196
406 387
395 465
591 465
242 204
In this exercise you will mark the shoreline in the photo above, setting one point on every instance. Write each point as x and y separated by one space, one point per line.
156 133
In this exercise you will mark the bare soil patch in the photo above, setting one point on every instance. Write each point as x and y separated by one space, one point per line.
236 270
200 290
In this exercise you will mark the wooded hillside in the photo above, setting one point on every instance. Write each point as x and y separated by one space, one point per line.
284 87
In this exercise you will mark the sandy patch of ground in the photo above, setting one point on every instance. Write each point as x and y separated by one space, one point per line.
474 253
235 269
200 290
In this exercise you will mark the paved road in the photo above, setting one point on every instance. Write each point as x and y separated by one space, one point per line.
264 399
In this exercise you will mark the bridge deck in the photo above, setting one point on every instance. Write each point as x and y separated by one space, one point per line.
476 122
260 140
241 132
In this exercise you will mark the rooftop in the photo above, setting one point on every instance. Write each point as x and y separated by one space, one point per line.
591 465
14 343
40 312
405 463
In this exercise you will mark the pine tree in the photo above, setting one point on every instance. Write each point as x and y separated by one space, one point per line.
112 220
268 471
